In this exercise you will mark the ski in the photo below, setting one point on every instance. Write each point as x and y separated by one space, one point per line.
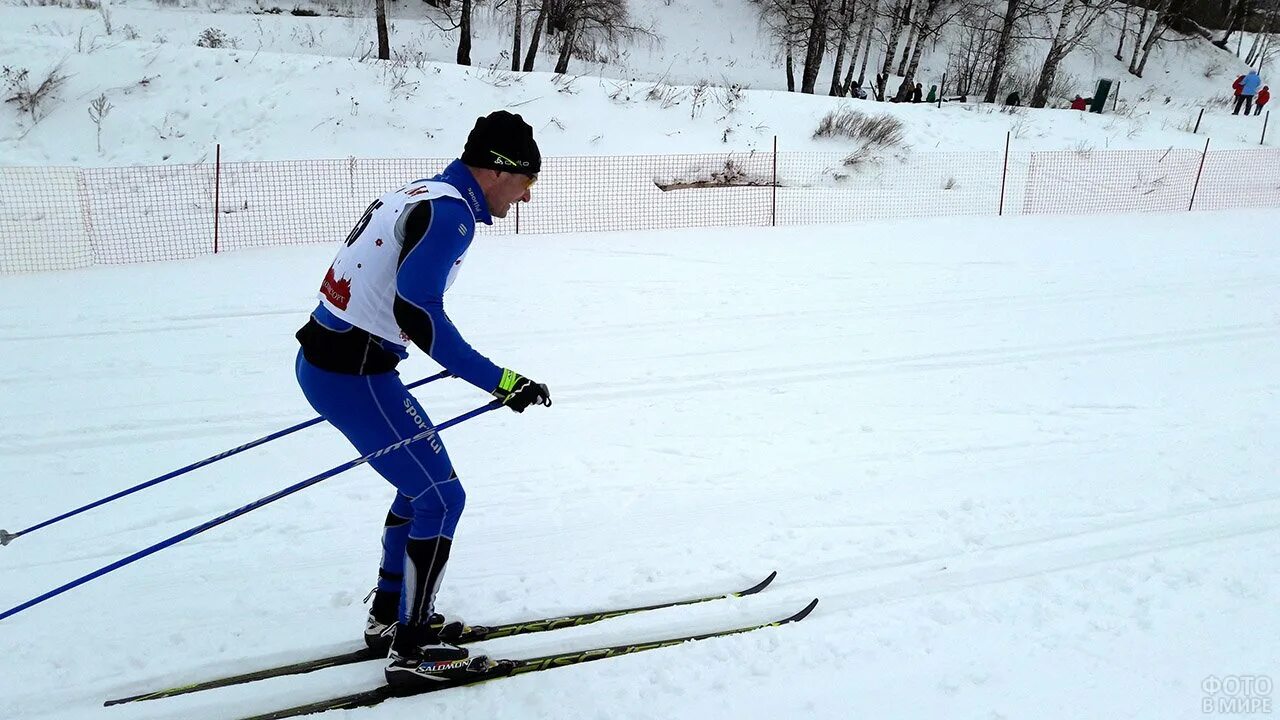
470 634
509 668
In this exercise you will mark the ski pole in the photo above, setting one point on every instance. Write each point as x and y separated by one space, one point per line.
250 507
8 537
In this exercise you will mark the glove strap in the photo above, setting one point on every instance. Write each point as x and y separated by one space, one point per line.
507 384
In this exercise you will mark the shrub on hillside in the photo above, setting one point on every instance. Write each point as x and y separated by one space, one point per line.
214 38
869 130
32 101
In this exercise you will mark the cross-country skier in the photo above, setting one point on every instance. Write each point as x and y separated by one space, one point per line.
385 288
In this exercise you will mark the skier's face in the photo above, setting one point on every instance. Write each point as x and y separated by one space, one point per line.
507 190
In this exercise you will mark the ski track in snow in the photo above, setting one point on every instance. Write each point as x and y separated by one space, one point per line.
1028 474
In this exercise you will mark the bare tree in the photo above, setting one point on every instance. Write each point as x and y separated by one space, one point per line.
817 44
1011 15
863 47
1124 28
869 31
590 24
1163 17
924 27
532 54
969 61
1239 10
912 31
1078 16
1262 39
899 18
464 34
384 43
515 41
845 16
783 20
1138 36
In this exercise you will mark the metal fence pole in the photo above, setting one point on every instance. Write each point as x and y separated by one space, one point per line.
1004 175
217 192
773 213
1196 186
1201 115
1265 119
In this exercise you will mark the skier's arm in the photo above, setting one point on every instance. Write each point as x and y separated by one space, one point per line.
432 244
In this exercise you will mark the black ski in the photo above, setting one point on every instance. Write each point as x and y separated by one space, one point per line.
507 668
470 634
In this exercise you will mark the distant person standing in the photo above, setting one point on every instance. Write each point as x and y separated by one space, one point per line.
1237 86
1264 97
1014 100
1248 88
1079 103
917 93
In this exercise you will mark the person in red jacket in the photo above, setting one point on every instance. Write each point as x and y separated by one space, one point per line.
1264 95
1078 104
1238 85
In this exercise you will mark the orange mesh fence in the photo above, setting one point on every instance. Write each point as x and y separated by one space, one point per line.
837 187
592 194
1239 178
59 218
1109 181
139 214
43 220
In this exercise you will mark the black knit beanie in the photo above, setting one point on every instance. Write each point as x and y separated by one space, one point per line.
502 141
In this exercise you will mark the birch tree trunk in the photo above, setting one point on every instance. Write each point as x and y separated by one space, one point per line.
899 15
515 43
384 43
845 11
464 34
912 34
1157 27
1002 51
1137 39
817 46
1057 51
537 36
1124 28
909 76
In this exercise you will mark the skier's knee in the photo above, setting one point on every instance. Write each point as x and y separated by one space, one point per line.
446 499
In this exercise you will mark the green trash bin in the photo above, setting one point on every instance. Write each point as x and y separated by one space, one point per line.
1100 96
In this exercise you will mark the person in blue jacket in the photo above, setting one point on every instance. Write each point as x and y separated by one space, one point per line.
1248 88
384 290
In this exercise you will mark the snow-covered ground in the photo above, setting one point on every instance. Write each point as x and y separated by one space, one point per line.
1027 464
1029 472
296 87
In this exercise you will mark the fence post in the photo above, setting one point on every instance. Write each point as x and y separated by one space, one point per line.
517 218
1004 175
217 192
1116 103
1196 186
941 89
1265 118
773 213
1193 132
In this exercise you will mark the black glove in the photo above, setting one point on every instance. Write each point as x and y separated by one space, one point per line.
519 392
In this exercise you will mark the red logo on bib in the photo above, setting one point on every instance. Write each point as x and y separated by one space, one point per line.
336 291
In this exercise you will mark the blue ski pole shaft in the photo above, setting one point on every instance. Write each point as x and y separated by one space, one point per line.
7 537
249 508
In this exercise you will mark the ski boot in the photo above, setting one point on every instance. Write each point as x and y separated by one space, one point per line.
420 658
380 625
